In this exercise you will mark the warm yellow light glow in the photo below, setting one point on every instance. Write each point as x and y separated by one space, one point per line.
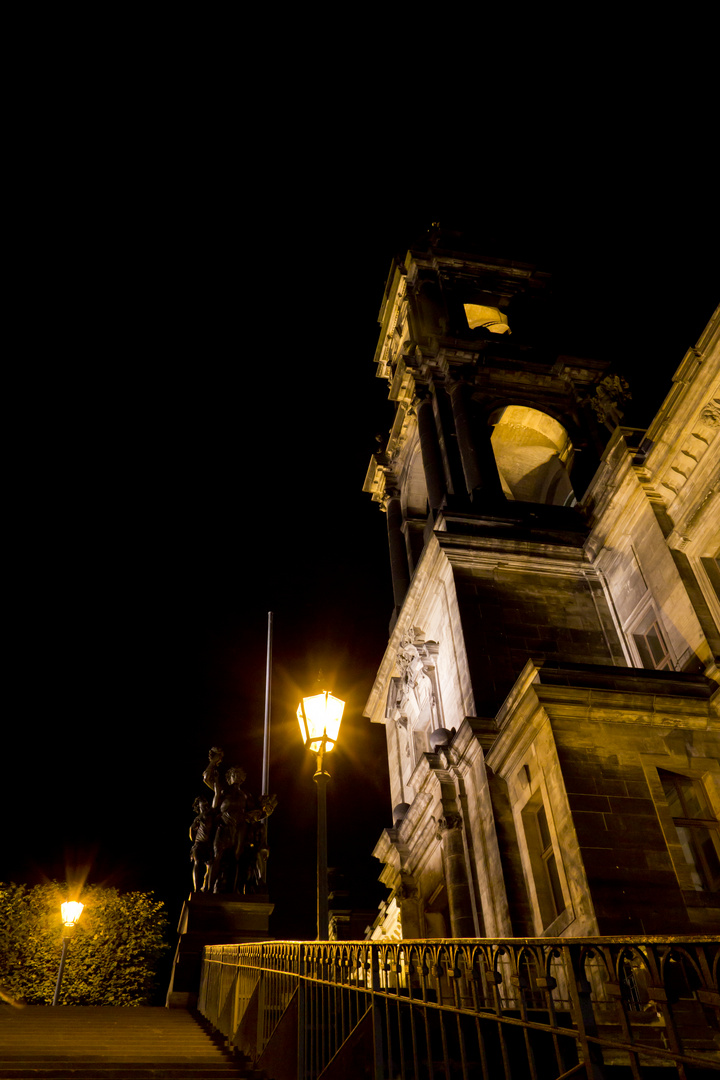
491 318
319 717
71 911
534 454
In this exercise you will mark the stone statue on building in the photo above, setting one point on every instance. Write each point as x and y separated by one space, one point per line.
417 663
229 837
609 394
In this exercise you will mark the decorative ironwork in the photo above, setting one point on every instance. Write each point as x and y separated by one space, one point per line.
542 1008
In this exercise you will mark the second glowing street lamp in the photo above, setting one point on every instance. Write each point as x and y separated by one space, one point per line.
71 911
319 717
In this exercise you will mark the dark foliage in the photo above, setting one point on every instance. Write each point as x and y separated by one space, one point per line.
112 956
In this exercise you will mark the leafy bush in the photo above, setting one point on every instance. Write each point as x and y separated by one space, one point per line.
112 955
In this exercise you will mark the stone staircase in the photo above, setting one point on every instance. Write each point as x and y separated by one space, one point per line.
101 1043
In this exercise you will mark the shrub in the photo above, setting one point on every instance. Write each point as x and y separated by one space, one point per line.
112 955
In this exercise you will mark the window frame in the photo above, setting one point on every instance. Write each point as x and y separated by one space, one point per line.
705 770
708 881
645 618
542 858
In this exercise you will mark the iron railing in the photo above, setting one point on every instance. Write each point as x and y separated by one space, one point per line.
536 1008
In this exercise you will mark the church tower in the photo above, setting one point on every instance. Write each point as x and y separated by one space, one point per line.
550 686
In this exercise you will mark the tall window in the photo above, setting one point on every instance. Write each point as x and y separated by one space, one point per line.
651 645
542 860
697 827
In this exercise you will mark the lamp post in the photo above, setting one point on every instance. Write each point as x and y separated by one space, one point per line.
319 717
71 911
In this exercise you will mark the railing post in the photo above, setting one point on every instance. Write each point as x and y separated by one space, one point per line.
236 1005
377 1020
584 1017
260 1036
301 1030
302 1012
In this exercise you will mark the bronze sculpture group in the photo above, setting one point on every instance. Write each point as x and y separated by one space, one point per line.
229 851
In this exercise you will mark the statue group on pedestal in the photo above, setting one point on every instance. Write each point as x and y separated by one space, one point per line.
229 835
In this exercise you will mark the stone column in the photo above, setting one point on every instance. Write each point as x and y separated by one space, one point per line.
407 897
430 450
476 452
398 551
490 485
450 828
466 443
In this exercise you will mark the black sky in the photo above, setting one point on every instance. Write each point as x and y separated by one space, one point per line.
192 406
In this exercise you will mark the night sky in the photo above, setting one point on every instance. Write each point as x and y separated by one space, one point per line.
193 406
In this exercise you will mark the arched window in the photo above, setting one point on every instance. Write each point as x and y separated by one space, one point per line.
533 453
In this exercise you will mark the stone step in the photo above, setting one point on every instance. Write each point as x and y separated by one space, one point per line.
97 1051
103 1043
9 1060
88 1069
115 1072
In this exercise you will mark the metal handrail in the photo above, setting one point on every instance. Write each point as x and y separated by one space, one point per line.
477 1007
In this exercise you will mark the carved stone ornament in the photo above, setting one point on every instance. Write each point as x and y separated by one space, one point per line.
446 823
606 399
392 488
416 660
710 415
406 891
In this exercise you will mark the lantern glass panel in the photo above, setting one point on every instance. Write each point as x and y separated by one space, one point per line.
322 715
71 911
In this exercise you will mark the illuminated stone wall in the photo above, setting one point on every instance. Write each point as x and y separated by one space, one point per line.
553 655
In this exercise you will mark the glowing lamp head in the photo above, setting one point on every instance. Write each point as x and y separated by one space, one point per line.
71 911
319 717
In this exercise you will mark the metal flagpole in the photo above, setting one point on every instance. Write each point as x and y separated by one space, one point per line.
266 738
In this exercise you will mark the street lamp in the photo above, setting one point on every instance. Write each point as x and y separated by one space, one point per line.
70 911
319 717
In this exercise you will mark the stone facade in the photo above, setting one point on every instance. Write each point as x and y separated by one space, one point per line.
550 686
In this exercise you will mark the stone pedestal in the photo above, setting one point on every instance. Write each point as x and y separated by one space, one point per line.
212 919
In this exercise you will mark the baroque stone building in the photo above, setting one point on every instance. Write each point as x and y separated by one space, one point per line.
550 686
